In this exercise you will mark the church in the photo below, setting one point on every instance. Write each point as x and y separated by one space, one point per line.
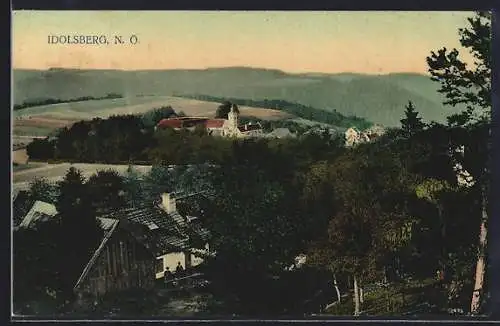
229 127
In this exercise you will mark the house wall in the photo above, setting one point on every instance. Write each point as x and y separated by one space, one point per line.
170 260
122 264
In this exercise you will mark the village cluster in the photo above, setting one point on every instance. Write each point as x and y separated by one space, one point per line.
231 127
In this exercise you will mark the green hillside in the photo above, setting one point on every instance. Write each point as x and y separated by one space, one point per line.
378 98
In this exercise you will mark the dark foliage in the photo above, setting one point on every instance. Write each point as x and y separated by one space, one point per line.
299 110
49 101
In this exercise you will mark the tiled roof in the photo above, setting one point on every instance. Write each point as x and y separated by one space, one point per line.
161 232
200 232
181 122
152 217
215 123
172 123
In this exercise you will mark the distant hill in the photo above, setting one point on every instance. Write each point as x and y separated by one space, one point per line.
378 98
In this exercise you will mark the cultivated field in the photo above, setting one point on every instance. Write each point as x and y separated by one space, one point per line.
41 120
55 172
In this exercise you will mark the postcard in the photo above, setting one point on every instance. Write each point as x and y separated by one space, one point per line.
250 164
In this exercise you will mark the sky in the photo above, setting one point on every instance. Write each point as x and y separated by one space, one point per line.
328 42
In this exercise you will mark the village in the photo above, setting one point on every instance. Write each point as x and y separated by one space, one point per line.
151 245
212 177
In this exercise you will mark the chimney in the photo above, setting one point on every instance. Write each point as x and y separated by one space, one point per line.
168 203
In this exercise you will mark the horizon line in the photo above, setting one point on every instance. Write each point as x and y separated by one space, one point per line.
227 67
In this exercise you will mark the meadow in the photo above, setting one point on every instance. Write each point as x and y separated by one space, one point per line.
42 120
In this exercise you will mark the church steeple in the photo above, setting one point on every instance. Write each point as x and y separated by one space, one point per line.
232 117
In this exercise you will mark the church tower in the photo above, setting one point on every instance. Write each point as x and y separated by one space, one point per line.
232 118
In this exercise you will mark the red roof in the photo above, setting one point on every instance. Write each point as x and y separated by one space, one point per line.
215 123
172 123
181 122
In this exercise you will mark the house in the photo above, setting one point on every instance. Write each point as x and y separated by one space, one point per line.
229 127
353 136
120 261
171 237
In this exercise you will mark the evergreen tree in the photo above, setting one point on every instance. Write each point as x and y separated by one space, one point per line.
72 194
412 123
471 85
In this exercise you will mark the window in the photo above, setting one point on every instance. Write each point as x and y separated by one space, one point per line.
159 265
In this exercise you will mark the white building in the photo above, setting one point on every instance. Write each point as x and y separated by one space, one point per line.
353 136
229 127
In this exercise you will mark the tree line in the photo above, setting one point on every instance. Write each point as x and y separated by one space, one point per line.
132 138
302 111
48 101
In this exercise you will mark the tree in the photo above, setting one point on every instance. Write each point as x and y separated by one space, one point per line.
257 232
106 191
370 220
72 194
151 118
412 123
133 185
471 86
460 83
41 149
433 190
224 109
40 189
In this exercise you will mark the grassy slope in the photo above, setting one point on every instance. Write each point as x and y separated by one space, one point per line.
380 99
42 120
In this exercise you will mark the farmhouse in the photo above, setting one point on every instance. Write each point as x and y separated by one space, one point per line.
171 237
120 261
229 127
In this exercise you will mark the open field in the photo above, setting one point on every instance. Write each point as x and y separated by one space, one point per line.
378 98
20 156
41 120
55 172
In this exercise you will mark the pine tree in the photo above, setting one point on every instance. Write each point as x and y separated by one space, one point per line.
72 194
471 85
412 123
77 219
